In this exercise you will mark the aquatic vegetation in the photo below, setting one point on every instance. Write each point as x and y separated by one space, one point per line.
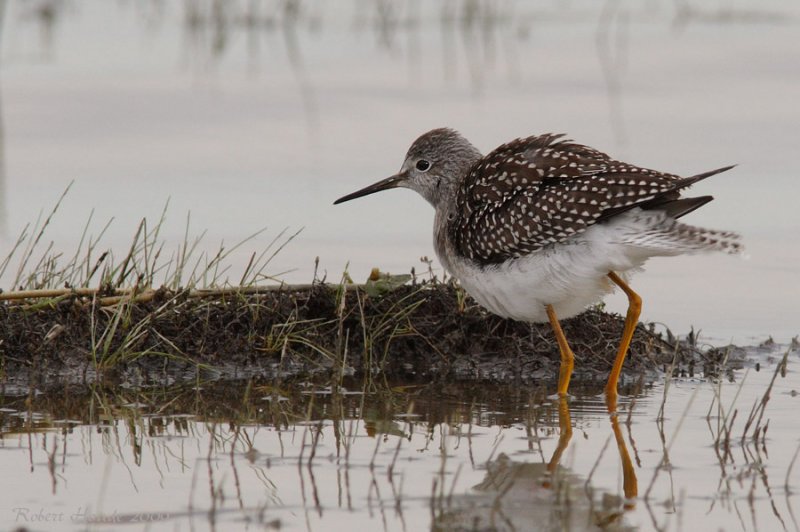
165 313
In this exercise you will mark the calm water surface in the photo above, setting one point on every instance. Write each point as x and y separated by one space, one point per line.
260 114
444 457
254 114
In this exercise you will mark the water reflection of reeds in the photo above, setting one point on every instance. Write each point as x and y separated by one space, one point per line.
146 429
311 450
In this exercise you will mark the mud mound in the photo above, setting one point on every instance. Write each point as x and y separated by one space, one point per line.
418 332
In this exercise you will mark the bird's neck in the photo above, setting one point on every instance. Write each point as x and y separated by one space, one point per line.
443 196
443 191
441 234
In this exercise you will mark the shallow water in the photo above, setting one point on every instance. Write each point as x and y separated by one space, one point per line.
446 457
253 114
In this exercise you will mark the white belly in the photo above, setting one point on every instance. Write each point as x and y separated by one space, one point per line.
569 276
522 289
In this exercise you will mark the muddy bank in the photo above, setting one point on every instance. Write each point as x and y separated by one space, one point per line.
414 333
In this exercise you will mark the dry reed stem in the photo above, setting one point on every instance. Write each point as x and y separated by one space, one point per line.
119 292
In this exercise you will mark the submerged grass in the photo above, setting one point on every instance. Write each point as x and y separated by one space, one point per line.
155 314
264 428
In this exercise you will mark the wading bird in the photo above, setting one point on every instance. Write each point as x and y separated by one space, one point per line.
542 227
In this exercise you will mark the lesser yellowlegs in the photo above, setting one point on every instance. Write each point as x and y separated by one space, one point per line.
542 227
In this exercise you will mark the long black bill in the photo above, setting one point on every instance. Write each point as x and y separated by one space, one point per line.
385 184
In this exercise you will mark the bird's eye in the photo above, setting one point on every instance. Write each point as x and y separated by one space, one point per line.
423 165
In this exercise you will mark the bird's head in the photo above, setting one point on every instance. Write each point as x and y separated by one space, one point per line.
434 166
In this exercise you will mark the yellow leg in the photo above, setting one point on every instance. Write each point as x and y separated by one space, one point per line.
567 357
565 435
629 481
631 319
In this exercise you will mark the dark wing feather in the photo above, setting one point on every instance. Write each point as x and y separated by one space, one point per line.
537 191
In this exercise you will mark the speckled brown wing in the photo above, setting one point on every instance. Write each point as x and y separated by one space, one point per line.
537 191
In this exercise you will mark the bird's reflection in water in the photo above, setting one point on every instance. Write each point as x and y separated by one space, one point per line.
544 496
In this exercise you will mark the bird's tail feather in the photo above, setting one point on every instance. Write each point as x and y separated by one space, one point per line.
689 181
671 237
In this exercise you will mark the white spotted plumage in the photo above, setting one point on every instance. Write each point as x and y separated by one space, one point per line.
572 274
541 221
539 191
